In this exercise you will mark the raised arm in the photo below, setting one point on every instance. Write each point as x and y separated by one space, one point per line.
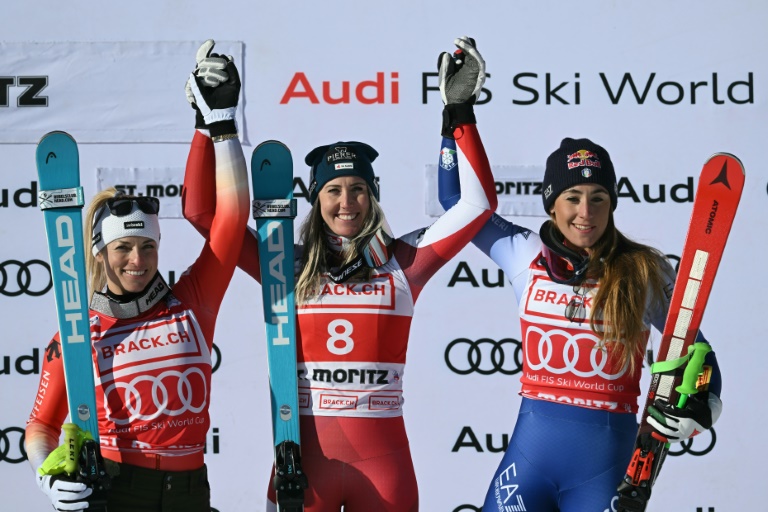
207 280
200 194
423 252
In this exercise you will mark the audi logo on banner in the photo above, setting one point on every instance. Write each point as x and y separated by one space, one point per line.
687 446
32 277
484 356
12 445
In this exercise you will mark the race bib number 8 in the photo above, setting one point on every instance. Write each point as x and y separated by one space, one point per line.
340 342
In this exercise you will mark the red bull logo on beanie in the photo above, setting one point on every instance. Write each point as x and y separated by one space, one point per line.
583 158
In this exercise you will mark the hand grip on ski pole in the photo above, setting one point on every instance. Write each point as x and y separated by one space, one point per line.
692 371
71 441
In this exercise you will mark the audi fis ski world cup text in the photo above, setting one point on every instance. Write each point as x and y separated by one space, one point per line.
529 88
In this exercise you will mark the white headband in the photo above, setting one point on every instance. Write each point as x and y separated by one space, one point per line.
111 227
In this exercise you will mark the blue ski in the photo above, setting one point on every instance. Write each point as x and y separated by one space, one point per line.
61 199
274 209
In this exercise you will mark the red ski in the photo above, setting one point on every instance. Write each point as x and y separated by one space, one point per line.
714 208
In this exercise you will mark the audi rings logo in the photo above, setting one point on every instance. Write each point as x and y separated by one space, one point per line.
147 397
12 445
484 356
677 449
215 358
579 355
31 277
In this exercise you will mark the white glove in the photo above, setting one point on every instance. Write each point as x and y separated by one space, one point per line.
214 87
701 411
64 494
462 74
210 68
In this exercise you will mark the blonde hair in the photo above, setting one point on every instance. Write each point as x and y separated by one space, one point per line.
630 276
97 277
314 260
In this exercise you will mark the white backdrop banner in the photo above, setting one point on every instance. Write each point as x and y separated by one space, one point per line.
120 91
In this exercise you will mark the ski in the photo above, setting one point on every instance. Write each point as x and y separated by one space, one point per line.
274 209
679 359
61 200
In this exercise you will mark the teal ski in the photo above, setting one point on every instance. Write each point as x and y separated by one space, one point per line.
61 199
274 210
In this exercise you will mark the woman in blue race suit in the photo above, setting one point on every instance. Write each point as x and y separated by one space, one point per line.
587 298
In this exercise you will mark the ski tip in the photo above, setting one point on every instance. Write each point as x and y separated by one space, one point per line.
270 142
729 156
55 133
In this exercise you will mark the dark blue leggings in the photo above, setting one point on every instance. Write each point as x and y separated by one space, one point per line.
562 458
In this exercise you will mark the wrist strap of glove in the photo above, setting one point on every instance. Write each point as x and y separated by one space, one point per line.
199 119
223 130
455 114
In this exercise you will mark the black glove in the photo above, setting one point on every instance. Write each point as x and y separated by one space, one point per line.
461 77
213 89
701 411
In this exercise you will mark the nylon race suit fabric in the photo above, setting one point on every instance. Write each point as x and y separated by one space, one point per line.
352 341
560 458
153 370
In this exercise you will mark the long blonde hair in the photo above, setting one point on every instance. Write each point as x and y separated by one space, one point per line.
314 260
97 276
630 276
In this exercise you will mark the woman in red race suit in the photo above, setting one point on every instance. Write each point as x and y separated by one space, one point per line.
151 342
353 328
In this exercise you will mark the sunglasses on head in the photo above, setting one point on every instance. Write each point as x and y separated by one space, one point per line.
122 206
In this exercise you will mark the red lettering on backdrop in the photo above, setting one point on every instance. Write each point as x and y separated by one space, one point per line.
335 101
307 92
367 92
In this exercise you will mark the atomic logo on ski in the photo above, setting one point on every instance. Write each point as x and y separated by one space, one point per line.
723 176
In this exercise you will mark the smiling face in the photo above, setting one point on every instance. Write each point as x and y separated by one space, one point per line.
344 205
581 214
130 263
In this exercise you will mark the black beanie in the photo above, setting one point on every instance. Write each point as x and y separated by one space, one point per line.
575 162
341 159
